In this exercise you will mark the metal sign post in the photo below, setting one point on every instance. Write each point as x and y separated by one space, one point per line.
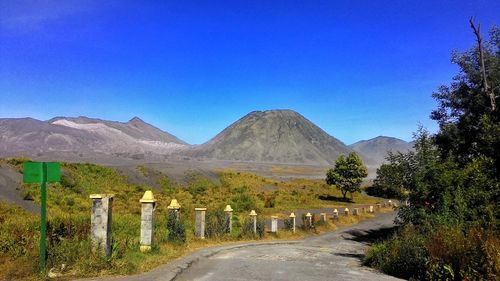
42 172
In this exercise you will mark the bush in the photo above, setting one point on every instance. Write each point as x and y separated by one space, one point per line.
176 229
403 255
216 224
458 255
247 229
306 225
288 224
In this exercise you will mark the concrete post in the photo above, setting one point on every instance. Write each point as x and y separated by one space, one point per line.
274 224
199 227
253 215
346 211
371 209
101 219
229 218
355 212
292 216
174 207
309 219
335 214
322 217
148 206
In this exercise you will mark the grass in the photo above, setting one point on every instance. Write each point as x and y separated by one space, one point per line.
69 218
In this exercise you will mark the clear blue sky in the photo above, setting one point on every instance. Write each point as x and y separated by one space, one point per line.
358 69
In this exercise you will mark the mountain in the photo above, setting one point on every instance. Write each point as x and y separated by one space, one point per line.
375 150
82 135
282 136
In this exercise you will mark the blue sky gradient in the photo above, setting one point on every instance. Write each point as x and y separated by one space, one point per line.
358 69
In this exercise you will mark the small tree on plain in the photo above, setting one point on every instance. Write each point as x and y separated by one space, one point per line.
348 174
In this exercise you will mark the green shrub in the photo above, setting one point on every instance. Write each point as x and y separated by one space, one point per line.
176 229
216 224
247 229
288 224
403 255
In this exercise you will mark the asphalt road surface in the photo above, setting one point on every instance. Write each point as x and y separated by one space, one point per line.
331 256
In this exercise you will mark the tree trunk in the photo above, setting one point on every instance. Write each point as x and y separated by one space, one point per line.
489 92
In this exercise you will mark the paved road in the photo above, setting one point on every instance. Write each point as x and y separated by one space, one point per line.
332 256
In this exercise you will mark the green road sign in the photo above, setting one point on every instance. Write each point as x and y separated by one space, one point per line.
33 172
42 172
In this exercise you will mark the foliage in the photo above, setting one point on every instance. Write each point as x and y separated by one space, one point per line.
216 224
445 253
393 177
247 230
348 174
176 228
403 255
453 183
69 217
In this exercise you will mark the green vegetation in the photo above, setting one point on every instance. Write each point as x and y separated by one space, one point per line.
450 229
348 174
392 177
69 218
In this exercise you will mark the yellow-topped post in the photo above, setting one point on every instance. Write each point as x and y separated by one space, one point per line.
292 217
229 218
174 208
253 215
309 219
148 206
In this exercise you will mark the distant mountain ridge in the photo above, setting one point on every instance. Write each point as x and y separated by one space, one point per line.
28 136
282 136
272 136
376 149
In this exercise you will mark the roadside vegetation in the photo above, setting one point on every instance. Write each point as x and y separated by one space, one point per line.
450 229
69 249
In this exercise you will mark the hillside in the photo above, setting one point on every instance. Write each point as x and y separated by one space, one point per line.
82 135
375 150
282 136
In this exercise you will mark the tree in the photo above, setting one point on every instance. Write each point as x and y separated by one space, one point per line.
348 174
468 119
392 178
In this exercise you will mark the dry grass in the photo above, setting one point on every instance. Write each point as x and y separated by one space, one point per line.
69 207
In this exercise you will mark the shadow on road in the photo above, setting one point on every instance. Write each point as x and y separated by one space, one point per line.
370 236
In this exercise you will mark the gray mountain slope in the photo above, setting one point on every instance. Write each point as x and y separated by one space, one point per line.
376 149
82 135
135 128
282 136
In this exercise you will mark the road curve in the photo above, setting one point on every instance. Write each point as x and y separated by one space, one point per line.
332 256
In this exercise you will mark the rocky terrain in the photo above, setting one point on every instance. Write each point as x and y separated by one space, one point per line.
84 136
282 136
274 137
374 151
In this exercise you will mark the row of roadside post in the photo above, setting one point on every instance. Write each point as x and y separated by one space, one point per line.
101 219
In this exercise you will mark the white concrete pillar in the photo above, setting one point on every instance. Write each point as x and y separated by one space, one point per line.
322 217
253 215
148 206
100 222
229 218
292 216
335 214
274 224
199 227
